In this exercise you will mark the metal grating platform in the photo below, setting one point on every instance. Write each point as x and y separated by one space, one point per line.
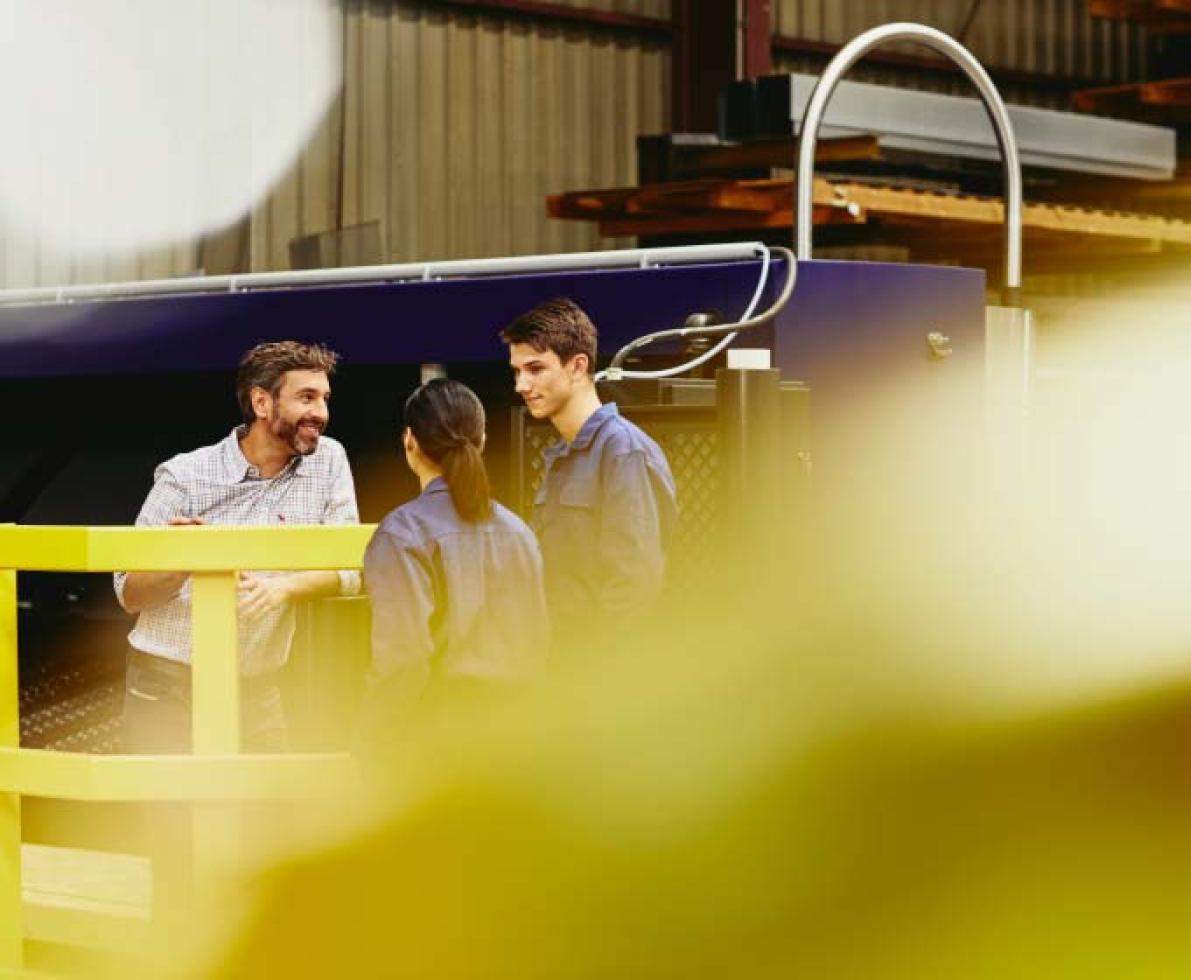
71 708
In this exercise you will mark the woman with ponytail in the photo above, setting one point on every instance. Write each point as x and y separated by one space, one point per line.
455 578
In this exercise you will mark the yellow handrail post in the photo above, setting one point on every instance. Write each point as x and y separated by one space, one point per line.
215 665
215 722
12 915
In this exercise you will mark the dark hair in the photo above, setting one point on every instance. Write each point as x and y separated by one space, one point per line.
558 325
265 367
447 419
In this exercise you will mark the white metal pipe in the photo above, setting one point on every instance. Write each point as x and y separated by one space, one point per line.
527 264
944 44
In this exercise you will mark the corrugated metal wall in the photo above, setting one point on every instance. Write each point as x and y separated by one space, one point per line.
454 126
1053 37
459 125
30 263
452 130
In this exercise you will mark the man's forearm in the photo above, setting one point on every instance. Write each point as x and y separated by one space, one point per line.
311 585
145 590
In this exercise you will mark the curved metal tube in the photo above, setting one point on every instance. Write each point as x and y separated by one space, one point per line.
615 371
852 52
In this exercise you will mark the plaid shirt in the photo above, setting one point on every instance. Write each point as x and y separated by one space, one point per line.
218 484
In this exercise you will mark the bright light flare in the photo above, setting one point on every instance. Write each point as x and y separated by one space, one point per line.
132 123
1047 567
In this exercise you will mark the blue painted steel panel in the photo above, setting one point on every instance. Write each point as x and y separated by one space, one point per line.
856 332
847 321
389 323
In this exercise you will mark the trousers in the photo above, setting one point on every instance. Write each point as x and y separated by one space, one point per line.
157 708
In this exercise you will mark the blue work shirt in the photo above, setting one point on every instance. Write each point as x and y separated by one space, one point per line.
604 515
453 599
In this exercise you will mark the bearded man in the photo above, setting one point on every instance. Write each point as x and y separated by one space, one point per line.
276 468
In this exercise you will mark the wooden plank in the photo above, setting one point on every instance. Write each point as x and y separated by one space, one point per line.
1170 92
762 195
1130 10
584 206
706 160
745 198
711 206
1157 16
723 221
696 223
1168 100
1108 98
1039 216
715 196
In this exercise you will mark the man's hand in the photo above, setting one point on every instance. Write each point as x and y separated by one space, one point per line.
261 594
146 590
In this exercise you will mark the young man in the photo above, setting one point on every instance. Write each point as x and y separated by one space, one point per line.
606 507
275 468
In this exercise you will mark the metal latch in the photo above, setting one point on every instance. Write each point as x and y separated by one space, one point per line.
939 344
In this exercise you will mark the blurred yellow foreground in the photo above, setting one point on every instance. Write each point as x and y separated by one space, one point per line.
933 725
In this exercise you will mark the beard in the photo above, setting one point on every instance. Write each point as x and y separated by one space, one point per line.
292 435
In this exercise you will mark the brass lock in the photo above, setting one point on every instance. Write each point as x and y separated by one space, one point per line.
939 344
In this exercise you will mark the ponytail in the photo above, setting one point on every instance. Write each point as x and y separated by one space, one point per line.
447 419
467 479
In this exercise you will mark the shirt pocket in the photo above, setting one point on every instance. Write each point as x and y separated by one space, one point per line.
579 516
580 494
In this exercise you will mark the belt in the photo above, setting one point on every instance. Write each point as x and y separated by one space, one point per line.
179 672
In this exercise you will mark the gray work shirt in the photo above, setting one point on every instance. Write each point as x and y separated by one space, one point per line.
604 514
451 598
218 484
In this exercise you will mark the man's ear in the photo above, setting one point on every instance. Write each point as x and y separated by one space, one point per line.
580 365
408 442
262 402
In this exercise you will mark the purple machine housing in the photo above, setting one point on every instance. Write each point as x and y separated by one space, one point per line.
149 372
101 390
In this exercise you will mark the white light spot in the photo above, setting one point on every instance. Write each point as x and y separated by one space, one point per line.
134 123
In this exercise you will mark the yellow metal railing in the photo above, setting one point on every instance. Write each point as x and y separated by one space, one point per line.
216 771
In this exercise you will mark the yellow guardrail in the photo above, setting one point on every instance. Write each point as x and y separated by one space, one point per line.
217 771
